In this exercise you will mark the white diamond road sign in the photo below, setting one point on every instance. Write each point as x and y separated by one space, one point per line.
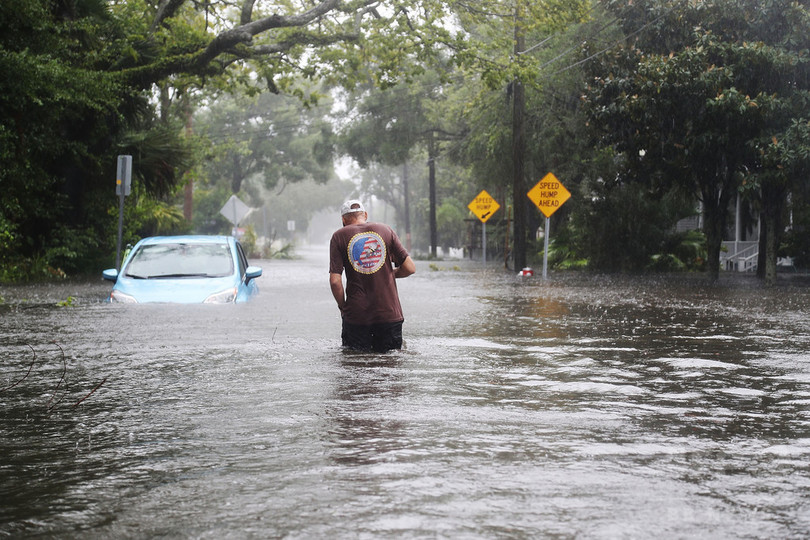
235 210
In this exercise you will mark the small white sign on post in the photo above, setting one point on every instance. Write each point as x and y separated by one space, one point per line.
123 176
123 187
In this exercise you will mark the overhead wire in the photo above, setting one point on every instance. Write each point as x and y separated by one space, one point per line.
623 38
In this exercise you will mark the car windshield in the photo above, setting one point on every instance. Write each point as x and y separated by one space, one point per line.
181 260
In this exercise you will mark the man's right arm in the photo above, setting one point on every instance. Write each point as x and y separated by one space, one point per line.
405 269
336 284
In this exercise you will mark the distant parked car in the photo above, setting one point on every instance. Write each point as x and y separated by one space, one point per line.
185 269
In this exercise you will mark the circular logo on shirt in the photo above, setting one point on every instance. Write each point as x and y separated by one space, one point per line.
366 252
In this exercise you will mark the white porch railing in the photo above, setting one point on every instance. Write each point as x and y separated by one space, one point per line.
740 256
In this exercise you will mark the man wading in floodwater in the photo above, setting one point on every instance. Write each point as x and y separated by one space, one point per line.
373 257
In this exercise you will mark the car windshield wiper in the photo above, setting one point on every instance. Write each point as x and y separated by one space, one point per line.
162 276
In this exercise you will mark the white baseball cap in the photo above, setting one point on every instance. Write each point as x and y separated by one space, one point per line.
351 206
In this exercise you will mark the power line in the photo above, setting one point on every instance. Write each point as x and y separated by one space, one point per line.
577 45
543 42
624 38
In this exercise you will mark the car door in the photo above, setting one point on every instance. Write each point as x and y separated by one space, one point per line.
250 288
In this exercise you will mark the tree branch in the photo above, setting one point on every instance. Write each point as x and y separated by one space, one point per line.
243 34
282 21
236 43
166 9
247 12
305 39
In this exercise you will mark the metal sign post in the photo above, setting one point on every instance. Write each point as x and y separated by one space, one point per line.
123 187
483 206
484 243
548 195
545 247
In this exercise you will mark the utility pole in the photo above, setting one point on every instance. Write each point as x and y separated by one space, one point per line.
434 237
519 149
407 201
506 242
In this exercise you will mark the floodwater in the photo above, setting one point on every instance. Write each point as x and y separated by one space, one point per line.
576 407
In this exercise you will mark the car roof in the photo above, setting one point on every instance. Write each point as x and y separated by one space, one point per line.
187 238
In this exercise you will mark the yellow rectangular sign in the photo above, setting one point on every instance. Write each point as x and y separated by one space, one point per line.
483 206
549 194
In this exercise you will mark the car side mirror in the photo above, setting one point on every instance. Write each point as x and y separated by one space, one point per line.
110 274
252 272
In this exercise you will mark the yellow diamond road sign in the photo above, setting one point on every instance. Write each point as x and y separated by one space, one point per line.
549 194
483 206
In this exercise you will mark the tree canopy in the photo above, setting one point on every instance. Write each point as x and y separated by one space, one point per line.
98 78
701 110
658 104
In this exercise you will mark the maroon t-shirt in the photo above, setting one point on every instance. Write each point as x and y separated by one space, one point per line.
365 252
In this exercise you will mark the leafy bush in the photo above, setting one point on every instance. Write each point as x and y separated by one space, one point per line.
682 252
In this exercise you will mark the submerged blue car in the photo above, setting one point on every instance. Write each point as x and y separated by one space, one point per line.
185 269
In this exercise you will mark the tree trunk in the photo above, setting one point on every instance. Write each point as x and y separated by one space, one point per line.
717 195
188 189
771 242
773 199
713 227
236 174
762 246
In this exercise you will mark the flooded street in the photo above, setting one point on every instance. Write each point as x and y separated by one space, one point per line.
577 407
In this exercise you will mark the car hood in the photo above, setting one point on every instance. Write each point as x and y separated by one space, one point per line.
174 290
